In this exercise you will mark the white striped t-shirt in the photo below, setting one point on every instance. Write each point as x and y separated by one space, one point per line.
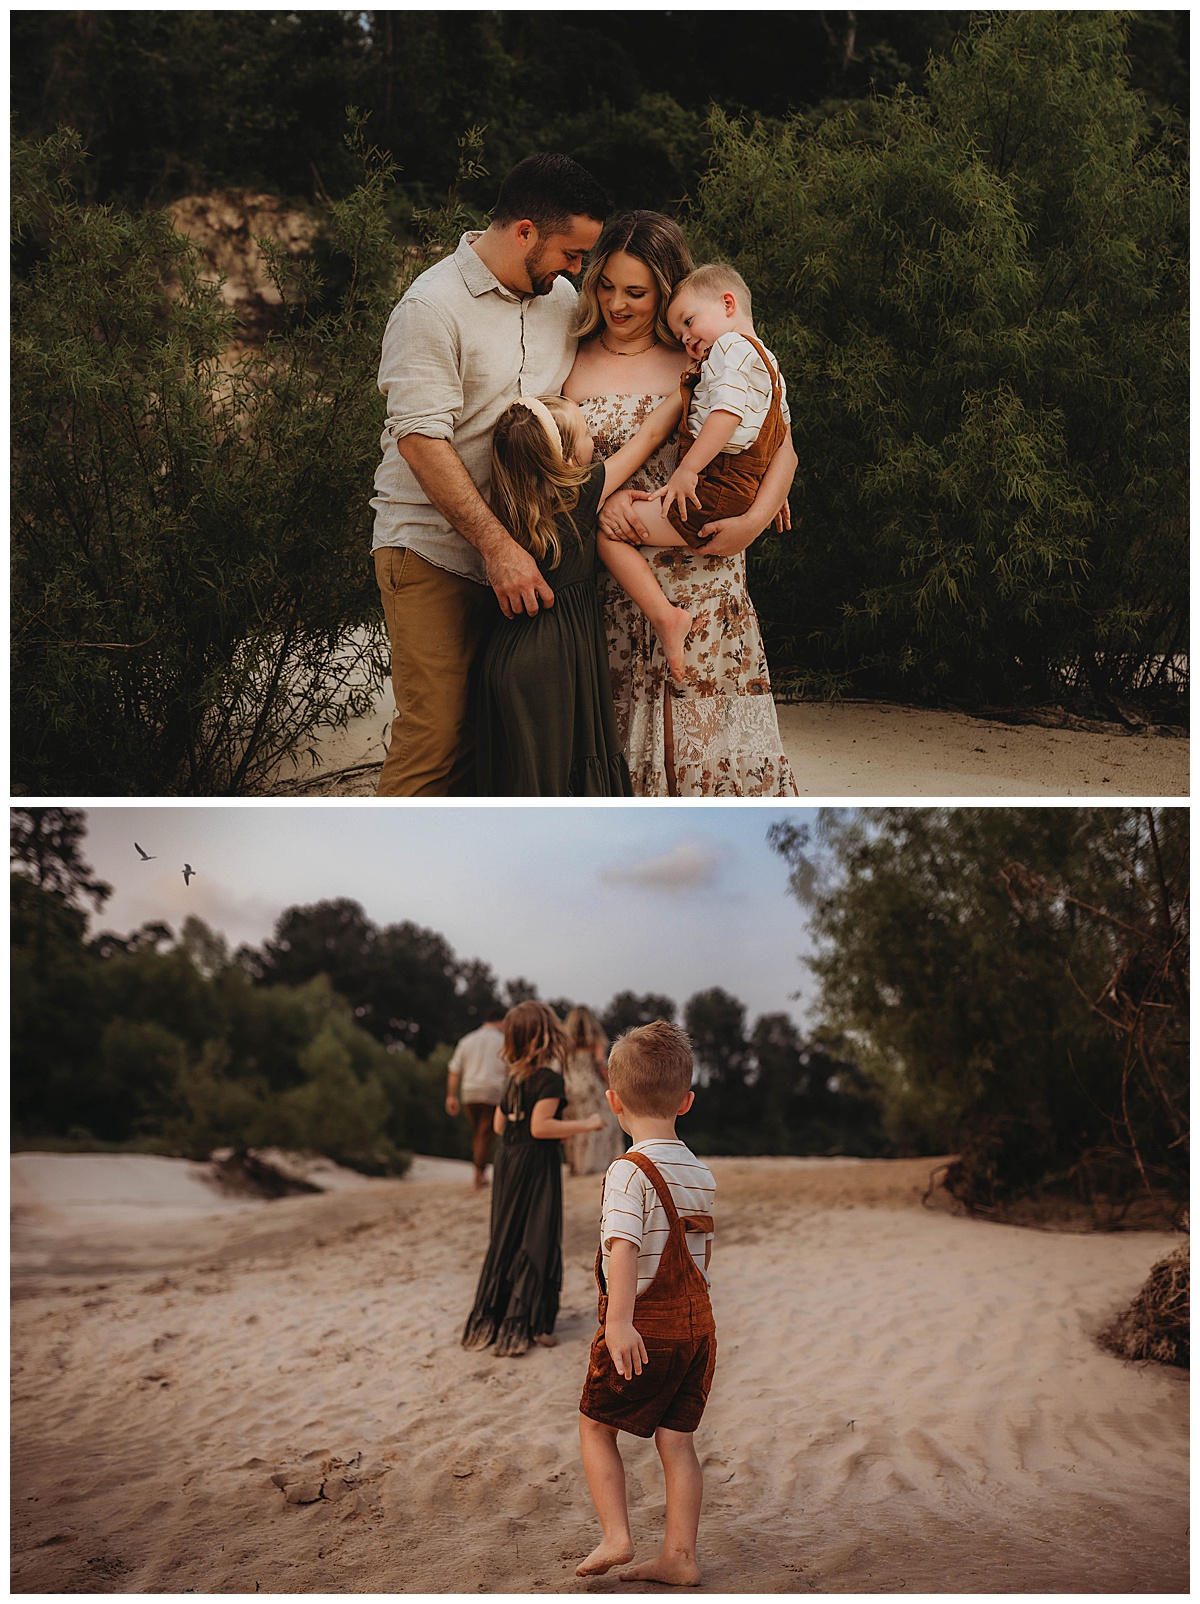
632 1210
734 378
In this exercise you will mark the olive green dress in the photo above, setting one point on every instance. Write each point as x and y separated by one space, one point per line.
517 1296
545 724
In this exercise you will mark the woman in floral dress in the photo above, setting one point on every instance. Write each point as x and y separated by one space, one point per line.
719 735
586 1078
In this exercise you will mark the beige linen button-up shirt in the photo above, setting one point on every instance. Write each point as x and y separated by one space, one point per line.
458 348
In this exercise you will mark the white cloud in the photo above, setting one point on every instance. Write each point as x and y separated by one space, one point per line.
690 865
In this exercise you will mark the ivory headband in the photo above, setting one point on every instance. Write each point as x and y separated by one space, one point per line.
542 411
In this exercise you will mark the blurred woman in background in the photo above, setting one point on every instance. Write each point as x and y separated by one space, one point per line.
586 1078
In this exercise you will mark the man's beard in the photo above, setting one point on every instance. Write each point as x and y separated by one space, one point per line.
541 283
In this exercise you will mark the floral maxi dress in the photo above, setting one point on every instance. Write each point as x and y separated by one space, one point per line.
719 736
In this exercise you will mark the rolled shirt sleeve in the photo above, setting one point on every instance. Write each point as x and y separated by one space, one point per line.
420 373
457 349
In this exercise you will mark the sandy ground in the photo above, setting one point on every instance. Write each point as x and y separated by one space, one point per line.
876 749
872 749
905 1400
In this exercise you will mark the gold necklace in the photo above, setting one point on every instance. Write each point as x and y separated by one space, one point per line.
611 352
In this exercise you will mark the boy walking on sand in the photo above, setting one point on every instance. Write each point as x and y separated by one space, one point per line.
652 1359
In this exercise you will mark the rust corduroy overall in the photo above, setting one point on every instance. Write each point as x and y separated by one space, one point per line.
729 484
674 1318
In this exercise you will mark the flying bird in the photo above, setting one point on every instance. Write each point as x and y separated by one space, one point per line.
188 872
146 857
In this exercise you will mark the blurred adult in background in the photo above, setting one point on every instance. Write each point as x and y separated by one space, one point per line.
475 1083
586 1077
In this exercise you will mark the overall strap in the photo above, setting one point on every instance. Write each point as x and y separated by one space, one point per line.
772 370
692 1222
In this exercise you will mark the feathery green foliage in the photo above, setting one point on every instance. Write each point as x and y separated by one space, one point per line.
190 519
979 300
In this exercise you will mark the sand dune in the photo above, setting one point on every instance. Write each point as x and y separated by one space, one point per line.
906 1401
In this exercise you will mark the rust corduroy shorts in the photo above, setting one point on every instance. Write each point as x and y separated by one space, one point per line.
674 1318
671 1391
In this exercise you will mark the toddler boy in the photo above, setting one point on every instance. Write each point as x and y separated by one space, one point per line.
652 1359
736 415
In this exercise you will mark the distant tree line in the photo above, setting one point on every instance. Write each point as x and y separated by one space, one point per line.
333 1036
1006 985
1014 984
175 102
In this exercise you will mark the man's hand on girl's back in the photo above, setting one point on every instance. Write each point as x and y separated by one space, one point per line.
519 583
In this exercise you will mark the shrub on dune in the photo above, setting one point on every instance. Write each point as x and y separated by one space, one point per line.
1156 1325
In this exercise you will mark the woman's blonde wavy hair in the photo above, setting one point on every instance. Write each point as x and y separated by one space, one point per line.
532 484
658 243
584 1031
533 1039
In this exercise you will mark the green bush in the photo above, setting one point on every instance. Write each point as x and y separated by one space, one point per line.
1014 984
191 521
979 301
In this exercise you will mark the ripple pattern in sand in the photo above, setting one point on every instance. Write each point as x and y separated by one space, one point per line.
903 1401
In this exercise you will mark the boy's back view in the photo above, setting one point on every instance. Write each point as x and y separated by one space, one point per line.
652 1359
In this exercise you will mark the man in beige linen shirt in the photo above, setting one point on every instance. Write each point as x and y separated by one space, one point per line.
481 1068
479 328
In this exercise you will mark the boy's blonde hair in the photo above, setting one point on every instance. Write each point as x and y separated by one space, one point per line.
650 1068
717 278
533 1038
583 1030
532 483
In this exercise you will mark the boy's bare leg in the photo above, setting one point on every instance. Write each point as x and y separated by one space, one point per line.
606 1482
675 1563
636 578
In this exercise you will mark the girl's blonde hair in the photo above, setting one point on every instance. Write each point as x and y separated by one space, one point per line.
658 243
584 1031
532 483
533 1039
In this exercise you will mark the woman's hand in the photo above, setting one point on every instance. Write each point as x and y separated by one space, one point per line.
617 519
730 535
452 1103
594 1122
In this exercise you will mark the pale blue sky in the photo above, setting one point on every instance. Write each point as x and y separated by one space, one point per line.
583 900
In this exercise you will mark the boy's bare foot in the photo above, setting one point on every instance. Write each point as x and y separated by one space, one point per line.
603 1557
547 1340
676 1570
672 632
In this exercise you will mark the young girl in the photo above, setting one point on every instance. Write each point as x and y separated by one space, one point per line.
516 1301
545 720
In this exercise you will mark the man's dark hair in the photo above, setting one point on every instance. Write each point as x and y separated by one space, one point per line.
549 189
